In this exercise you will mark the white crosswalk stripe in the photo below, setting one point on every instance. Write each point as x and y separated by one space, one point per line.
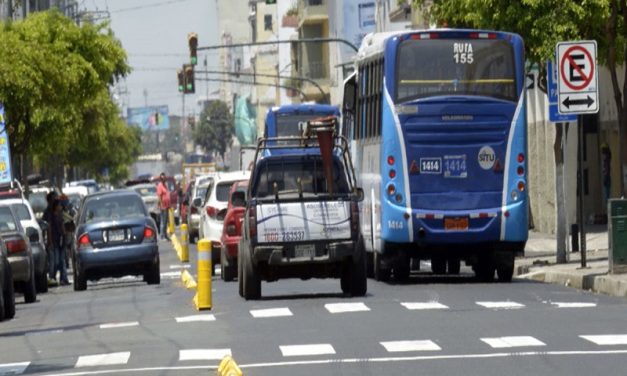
516 341
423 305
271 312
607 339
103 359
196 318
346 307
307 350
501 305
403 346
13 368
203 354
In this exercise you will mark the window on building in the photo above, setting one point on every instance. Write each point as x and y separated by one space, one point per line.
267 22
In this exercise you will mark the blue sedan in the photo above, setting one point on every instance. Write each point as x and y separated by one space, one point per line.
115 237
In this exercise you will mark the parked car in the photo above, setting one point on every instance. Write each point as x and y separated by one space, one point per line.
90 184
170 182
199 189
28 221
232 231
214 209
7 292
19 253
302 219
115 237
148 193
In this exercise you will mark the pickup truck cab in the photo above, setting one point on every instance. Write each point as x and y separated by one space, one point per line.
298 223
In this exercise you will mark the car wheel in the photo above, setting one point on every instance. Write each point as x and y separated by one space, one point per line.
8 295
153 274
2 306
380 273
240 272
252 281
30 290
80 282
358 284
41 282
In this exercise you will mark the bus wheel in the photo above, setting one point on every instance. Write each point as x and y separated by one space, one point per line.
453 265
370 264
414 264
438 265
505 266
485 268
380 273
401 268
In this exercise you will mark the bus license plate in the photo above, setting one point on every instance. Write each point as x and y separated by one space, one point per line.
305 250
455 166
456 224
430 165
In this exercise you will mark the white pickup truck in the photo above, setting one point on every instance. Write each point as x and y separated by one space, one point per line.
298 226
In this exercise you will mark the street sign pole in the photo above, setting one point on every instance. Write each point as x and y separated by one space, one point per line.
580 180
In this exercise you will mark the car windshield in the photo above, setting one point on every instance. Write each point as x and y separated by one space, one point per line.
146 190
38 201
22 212
116 207
287 175
7 221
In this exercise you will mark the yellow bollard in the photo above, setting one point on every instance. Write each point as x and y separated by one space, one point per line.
202 300
228 367
170 221
184 256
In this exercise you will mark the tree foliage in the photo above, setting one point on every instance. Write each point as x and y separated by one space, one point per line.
215 131
54 83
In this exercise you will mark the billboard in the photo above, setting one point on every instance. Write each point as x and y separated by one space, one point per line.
359 20
152 118
5 153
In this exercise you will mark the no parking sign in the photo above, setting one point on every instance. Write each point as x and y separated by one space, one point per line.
578 89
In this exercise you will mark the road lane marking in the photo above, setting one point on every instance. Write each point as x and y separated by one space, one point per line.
501 305
423 305
416 358
272 312
184 266
607 340
307 350
196 318
346 307
103 359
203 354
13 368
516 341
44 332
402 346
171 275
573 304
119 325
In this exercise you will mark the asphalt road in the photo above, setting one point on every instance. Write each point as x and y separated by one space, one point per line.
429 326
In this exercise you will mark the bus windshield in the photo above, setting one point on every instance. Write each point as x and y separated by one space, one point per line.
287 125
427 68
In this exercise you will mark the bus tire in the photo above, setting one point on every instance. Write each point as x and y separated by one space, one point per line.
401 268
505 266
438 265
453 265
370 264
380 273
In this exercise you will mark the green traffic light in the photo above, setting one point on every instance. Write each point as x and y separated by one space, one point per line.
181 88
194 60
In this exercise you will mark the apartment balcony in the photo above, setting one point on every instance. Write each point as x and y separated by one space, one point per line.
313 12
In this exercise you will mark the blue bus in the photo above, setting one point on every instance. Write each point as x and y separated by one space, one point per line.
437 121
283 121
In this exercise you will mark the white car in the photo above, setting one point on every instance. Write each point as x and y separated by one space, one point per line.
214 208
199 189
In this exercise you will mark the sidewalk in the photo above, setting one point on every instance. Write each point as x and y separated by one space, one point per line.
540 256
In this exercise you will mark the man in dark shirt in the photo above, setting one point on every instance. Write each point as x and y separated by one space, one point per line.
57 232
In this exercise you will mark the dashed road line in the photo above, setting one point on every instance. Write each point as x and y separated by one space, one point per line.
501 305
423 305
116 325
103 359
13 368
171 275
607 339
515 341
307 350
404 346
196 318
271 312
203 354
346 307
573 304
183 266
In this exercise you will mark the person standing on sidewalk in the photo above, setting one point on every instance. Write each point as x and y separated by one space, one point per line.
164 205
57 232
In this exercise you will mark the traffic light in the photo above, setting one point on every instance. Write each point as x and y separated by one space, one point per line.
192 40
181 78
188 70
270 2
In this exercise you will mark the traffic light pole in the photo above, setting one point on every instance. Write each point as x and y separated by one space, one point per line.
299 41
256 84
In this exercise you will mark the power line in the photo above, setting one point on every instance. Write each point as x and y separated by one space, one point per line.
155 5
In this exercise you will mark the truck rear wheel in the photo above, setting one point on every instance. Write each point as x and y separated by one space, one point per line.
354 280
504 266
380 273
252 281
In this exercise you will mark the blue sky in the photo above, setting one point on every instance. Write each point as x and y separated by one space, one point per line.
154 34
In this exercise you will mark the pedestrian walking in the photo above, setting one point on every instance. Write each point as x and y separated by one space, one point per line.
47 217
164 205
57 234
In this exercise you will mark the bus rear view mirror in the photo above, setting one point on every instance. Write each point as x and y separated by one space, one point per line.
350 95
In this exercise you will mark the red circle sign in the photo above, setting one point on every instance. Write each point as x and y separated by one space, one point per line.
566 58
